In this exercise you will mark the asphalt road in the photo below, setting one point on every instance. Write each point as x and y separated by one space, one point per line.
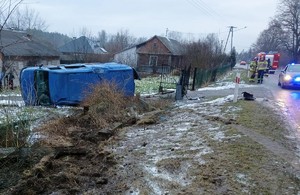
288 100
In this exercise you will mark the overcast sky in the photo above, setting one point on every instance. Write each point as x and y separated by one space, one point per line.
146 18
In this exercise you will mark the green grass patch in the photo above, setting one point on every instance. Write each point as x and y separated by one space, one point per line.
150 85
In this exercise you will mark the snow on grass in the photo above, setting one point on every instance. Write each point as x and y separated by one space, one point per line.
180 137
12 103
183 136
225 85
220 101
10 94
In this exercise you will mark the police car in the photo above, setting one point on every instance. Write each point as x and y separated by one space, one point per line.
289 76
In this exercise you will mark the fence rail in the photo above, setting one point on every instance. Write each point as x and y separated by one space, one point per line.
188 77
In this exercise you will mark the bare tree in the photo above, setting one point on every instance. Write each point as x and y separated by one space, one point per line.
206 53
25 19
120 41
271 39
289 17
175 35
7 8
102 38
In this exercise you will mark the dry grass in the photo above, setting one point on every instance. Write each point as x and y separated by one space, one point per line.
106 104
103 109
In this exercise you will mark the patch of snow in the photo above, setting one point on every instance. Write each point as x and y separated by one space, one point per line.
35 137
242 179
155 187
11 94
12 103
178 178
225 85
220 101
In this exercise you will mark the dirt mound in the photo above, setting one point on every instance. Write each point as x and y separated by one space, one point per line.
72 158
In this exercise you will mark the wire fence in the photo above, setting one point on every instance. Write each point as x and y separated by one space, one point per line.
189 77
204 76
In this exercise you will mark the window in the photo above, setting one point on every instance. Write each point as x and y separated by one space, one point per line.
20 65
154 45
153 60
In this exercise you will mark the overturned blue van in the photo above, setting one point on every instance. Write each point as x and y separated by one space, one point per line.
69 84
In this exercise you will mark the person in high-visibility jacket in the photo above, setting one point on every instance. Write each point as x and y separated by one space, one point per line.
262 66
252 70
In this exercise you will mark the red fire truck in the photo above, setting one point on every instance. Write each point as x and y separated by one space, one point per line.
273 57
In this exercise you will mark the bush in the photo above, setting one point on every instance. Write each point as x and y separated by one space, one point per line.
106 104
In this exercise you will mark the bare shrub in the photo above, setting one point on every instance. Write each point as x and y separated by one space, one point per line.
106 104
103 105
105 108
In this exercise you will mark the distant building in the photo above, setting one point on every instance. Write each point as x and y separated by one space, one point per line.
18 50
158 54
82 50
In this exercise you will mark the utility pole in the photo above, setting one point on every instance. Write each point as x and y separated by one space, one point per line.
230 32
231 46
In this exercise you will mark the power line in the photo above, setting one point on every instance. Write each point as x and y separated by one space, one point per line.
210 9
206 9
197 6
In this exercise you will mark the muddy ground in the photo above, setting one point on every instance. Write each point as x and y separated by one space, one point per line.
205 145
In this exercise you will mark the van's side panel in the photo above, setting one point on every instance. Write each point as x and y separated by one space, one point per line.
121 75
69 84
123 79
70 88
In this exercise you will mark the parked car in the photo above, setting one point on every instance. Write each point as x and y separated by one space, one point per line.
243 63
69 84
289 76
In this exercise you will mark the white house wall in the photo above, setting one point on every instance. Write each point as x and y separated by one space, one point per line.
17 66
128 57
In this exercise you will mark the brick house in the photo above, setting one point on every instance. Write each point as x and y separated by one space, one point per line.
19 50
157 54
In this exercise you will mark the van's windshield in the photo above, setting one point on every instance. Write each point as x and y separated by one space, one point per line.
42 87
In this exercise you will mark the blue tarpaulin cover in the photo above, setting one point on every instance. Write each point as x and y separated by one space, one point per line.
68 84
